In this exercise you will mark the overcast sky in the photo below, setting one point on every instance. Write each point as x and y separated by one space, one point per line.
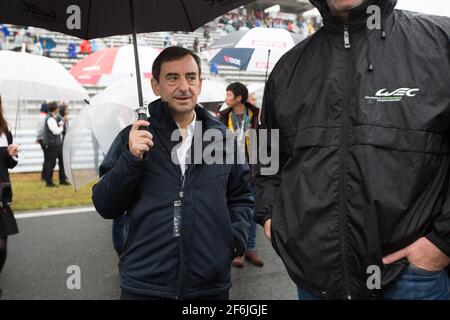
439 7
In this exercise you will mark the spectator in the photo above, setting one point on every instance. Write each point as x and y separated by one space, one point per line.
72 51
85 47
166 40
372 191
195 45
53 145
239 118
182 233
63 114
40 134
94 45
206 33
38 49
214 69
8 160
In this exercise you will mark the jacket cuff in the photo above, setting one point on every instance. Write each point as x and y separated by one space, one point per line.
133 159
262 221
239 245
439 242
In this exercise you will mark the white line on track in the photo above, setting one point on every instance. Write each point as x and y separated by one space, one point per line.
50 213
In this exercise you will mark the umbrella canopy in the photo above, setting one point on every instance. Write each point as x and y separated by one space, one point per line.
109 65
259 37
81 151
212 91
247 59
25 76
89 19
257 49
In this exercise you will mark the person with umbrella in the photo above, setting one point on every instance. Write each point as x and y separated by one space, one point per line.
185 220
8 160
360 206
240 117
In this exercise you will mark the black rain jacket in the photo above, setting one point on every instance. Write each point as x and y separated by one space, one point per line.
364 119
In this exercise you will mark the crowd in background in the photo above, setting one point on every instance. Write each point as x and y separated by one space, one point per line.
244 19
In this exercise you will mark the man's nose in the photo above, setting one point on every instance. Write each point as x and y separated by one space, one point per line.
183 85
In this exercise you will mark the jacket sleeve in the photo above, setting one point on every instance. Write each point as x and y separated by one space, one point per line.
440 234
11 161
240 204
267 186
120 171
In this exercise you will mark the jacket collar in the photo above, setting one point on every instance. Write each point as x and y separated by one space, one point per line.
161 117
248 105
357 16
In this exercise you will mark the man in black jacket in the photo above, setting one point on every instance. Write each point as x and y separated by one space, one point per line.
185 220
360 207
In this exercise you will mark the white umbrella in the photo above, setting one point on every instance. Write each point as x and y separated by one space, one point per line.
257 49
212 91
258 90
30 77
81 164
114 108
97 125
107 66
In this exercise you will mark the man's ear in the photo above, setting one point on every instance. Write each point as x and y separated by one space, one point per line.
155 87
238 98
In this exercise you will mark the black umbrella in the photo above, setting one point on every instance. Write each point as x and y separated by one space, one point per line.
89 19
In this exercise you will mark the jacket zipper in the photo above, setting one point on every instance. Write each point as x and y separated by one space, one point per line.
179 267
344 151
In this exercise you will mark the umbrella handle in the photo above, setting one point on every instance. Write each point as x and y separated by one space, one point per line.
142 115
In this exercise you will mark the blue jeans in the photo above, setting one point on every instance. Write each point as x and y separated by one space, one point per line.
418 284
251 241
414 284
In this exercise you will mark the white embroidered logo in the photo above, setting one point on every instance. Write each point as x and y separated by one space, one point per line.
397 95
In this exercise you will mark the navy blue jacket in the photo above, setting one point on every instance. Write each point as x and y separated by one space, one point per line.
217 210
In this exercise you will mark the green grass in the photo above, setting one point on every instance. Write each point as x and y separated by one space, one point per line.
30 193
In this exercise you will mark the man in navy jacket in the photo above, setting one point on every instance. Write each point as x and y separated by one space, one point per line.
185 220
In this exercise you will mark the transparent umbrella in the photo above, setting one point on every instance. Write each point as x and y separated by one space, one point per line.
95 128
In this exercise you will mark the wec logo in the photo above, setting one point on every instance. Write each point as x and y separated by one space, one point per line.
401 92
232 60
397 95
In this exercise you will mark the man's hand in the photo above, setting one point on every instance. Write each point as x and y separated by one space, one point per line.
422 254
267 225
140 141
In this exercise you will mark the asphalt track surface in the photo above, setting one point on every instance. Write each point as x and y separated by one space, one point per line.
49 243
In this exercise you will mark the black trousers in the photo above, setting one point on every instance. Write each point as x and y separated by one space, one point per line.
41 143
131 296
51 154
